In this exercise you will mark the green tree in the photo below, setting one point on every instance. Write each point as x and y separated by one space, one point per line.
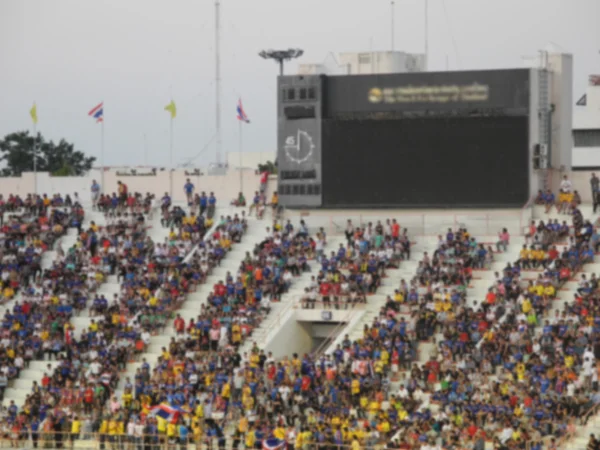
61 159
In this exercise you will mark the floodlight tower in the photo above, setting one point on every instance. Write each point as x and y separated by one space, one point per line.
280 56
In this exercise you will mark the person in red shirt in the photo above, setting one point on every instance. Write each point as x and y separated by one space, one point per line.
264 178
179 324
220 289
305 386
324 290
553 253
88 399
395 229
490 297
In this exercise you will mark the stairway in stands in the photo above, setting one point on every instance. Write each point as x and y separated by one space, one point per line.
281 310
389 284
190 308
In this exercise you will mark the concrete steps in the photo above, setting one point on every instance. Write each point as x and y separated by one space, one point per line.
191 307
279 310
389 284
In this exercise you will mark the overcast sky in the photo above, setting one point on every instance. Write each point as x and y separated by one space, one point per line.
68 55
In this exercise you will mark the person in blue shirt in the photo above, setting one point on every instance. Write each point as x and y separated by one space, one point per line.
203 202
212 203
188 188
95 194
183 434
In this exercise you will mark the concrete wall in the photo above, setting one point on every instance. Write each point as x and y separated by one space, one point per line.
561 66
587 118
580 180
322 330
534 130
249 160
293 336
382 62
420 222
226 187
586 157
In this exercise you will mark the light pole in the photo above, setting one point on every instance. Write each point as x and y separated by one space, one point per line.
280 56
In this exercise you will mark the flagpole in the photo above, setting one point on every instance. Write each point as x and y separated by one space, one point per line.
102 170
240 163
35 183
171 154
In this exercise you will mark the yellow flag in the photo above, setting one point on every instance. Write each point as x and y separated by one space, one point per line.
172 108
33 113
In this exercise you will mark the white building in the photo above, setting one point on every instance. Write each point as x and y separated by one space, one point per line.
586 127
366 63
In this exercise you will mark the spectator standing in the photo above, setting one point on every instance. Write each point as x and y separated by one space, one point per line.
122 188
503 241
565 197
95 193
203 202
188 188
212 203
595 186
264 178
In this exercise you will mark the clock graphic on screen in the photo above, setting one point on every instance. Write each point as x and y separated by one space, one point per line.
299 148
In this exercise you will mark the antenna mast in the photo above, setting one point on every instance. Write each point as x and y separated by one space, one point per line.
218 79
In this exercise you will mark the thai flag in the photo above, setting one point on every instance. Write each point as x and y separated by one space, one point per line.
97 112
241 114
273 444
167 412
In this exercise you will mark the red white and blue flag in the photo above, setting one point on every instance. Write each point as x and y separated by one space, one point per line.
273 444
168 412
97 112
241 114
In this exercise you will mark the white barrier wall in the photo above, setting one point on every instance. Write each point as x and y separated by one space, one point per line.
226 187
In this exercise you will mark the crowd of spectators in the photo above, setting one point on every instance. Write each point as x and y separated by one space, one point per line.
500 369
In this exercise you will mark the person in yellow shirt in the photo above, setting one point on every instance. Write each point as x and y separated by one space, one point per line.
8 292
398 296
279 433
355 387
569 361
197 432
75 428
378 367
172 433
254 360
520 369
355 445
127 398
384 427
113 429
549 290
488 335
250 439
236 334
226 391
524 256
385 357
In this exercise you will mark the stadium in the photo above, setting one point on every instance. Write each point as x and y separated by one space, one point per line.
412 268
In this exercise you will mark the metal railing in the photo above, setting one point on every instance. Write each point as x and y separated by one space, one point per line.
479 223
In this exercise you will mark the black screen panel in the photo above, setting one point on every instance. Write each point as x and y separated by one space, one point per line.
426 162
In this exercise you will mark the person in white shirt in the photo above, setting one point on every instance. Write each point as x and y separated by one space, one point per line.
565 185
565 195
